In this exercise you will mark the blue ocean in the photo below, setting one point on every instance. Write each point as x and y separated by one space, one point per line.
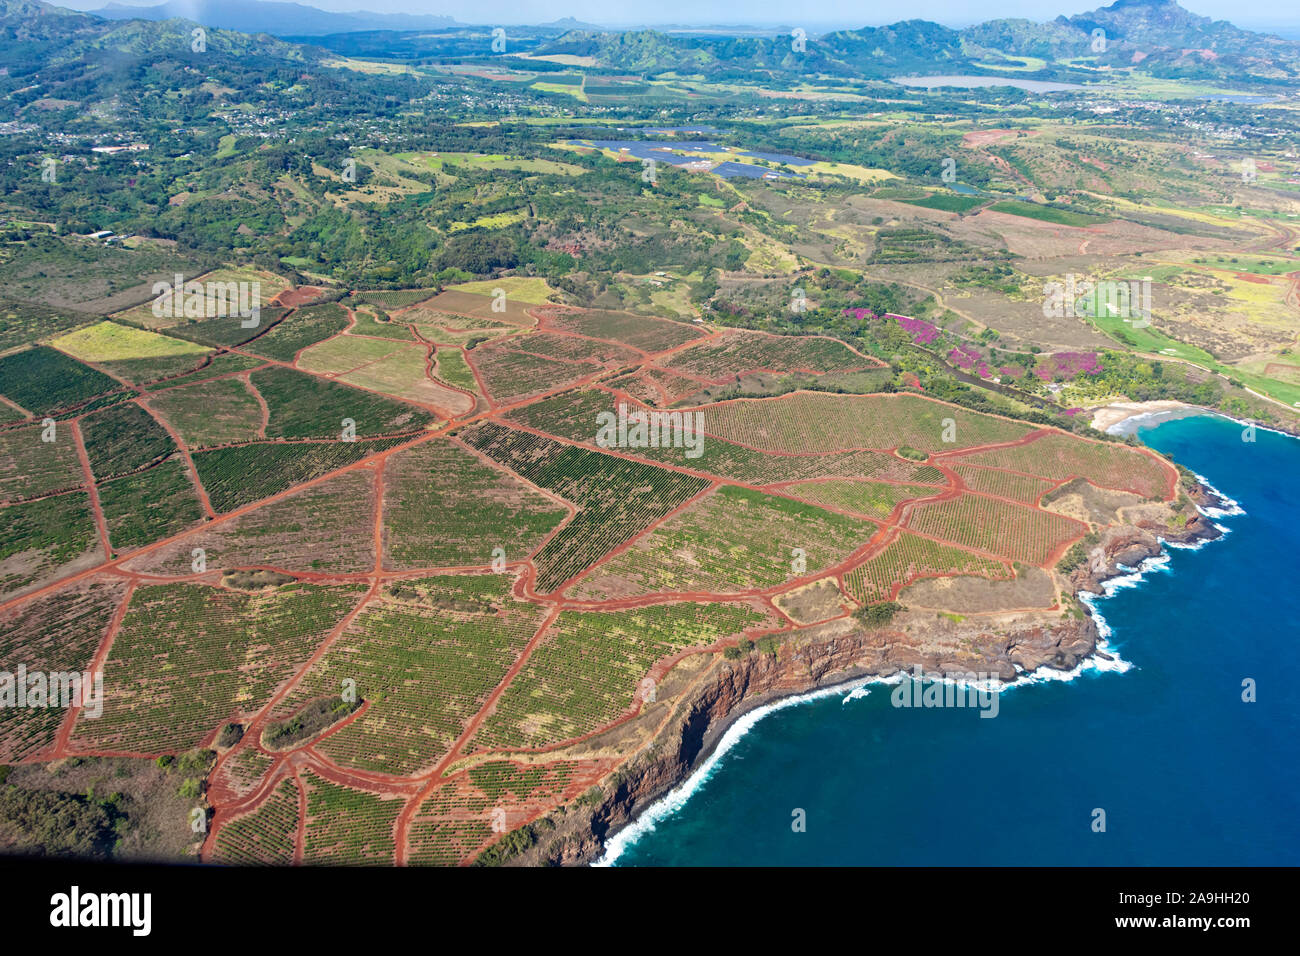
1185 771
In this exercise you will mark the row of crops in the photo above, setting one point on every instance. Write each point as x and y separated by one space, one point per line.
347 827
306 326
585 672
445 507
1004 484
241 474
616 498
573 416
265 836
56 633
189 657
424 668
642 332
908 557
814 423
1018 532
511 375
44 381
738 351
43 536
1106 464
304 406
733 539
30 467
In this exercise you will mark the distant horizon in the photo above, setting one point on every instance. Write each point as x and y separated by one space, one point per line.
819 16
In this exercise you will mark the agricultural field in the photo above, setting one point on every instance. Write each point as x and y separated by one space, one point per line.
45 381
367 322
265 836
123 439
223 411
1012 531
588 667
303 406
149 505
345 353
814 423
300 329
405 374
615 498
424 658
736 352
486 306
30 467
1059 457
729 541
346 827
58 633
875 499
1004 484
44 539
195 657
223 363
327 527
228 331
242 474
216 293
909 557
135 355
643 332
453 369
510 374
444 506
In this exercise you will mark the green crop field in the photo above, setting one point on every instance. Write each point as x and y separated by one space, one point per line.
264 837
211 413
909 557
152 504
300 329
814 423
43 381
445 507
347 827
38 538
733 539
55 633
306 407
123 439
136 355
1058 457
30 467
997 527
616 498
874 499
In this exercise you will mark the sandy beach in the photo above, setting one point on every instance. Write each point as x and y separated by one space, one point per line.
1112 417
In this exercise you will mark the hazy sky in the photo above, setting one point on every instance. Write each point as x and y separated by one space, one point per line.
813 14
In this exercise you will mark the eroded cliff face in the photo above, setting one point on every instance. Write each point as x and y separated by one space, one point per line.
813 657
841 650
